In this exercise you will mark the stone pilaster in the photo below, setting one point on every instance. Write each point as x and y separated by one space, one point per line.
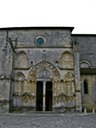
77 82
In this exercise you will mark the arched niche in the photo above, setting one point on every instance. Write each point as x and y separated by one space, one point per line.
69 84
85 64
21 60
19 83
67 60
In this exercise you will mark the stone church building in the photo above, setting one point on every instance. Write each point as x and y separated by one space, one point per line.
47 69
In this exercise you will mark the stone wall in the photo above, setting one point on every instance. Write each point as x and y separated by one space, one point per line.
6 57
86 47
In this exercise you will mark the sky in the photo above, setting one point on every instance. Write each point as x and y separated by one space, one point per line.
80 14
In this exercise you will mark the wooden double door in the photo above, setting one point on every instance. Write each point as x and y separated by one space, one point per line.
44 96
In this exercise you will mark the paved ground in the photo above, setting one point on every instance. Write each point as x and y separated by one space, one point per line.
47 121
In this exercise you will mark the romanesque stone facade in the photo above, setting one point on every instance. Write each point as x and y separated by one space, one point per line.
47 69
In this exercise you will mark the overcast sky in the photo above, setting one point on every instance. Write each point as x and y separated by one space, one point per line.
80 14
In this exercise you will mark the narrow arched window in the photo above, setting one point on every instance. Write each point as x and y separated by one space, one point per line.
85 84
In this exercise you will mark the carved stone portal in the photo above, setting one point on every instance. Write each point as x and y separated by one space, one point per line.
62 91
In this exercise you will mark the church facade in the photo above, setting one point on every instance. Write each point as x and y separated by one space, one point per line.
47 69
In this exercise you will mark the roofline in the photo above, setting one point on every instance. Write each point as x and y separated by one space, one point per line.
37 27
83 34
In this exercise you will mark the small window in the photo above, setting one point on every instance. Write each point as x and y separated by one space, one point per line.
40 40
85 84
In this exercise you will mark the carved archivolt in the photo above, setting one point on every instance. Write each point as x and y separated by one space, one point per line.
32 76
46 69
31 83
67 60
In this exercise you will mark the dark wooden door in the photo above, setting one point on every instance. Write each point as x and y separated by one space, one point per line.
48 99
39 96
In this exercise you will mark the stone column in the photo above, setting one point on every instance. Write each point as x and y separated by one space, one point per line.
34 93
54 92
77 82
44 89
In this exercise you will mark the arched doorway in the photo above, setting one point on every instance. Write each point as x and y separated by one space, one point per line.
44 75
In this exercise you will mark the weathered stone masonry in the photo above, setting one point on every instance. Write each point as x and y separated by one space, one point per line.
47 69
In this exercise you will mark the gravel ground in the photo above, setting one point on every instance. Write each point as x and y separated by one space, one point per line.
32 120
